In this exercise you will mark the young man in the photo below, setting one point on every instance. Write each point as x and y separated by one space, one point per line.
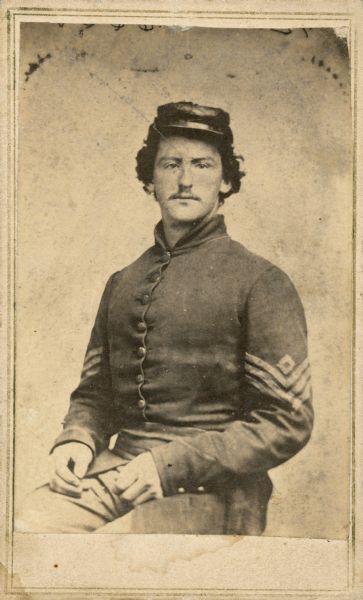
197 360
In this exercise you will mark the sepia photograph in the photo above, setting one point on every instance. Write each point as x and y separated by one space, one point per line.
183 271
198 360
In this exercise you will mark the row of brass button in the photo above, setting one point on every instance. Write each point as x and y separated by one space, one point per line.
142 327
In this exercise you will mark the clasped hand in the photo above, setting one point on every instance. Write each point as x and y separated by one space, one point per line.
137 482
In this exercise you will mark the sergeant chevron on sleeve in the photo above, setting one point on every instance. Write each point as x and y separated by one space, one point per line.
197 361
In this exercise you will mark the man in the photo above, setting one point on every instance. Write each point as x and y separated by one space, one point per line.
197 361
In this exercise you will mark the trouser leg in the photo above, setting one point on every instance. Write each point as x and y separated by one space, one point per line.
100 508
45 511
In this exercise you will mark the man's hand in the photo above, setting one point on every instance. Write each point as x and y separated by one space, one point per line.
139 480
70 462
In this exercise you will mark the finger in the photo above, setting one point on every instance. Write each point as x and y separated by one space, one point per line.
126 478
64 462
80 467
57 484
135 490
145 497
66 474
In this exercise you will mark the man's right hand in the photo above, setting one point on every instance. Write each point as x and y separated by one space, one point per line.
69 464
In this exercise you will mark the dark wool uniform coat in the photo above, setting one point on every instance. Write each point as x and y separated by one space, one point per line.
199 355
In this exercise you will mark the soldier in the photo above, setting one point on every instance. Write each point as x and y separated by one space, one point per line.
197 361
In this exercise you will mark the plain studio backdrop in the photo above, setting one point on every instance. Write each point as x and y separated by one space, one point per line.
86 97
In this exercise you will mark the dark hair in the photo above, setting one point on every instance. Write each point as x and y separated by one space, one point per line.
232 174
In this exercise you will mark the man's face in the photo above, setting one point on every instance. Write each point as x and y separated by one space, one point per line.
187 179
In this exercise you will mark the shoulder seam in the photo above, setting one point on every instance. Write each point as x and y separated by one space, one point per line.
266 270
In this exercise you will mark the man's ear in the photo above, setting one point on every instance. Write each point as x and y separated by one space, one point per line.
225 187
149 188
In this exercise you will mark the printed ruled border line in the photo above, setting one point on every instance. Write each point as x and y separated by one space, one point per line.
245 16
11 14
190 593
119 12
352 539
11 266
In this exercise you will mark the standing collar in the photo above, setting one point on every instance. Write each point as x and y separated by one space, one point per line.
200 233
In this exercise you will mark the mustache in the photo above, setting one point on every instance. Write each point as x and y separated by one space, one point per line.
183 196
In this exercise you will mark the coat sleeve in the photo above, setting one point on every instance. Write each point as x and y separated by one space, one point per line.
277 415
90 418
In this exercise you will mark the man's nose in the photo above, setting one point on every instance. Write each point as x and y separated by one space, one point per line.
185 177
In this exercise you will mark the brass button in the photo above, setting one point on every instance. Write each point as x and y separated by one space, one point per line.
141 326
141 403
141 351
200 489
145 299
181 490
139 378
154 277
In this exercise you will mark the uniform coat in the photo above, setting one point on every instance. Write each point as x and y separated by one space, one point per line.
198 354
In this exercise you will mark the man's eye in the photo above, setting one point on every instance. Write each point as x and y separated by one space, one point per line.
203 165
170 165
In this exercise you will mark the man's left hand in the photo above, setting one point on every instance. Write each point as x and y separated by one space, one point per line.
139 480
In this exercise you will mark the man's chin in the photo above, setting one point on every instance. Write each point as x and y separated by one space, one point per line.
186 216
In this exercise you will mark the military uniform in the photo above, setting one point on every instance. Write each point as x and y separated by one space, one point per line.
198 354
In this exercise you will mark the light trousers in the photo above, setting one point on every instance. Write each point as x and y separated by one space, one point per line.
101 510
